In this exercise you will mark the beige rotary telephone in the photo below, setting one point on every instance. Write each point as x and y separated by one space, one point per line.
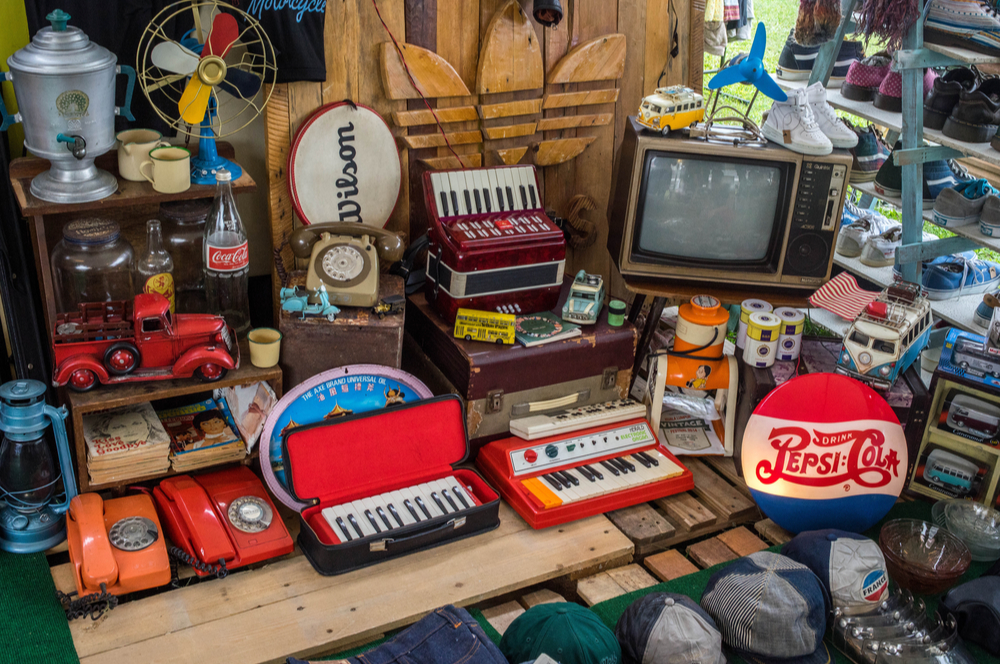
344 256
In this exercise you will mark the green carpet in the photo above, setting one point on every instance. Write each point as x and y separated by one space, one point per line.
34 627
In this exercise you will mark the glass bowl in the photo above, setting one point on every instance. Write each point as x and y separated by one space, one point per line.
923 557
976 525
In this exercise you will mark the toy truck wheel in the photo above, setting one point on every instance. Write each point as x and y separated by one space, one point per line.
210 372
82 380
665 131
121 358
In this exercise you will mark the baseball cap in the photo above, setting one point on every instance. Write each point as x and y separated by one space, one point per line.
566 632
770 609
851 566
666 628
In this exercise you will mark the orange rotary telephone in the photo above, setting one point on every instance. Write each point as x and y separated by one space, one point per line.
344 257
117 543
221 520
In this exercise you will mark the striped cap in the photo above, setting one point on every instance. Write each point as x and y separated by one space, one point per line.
770 609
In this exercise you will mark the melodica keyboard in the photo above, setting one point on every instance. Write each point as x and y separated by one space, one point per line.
388 511
491 245
562 478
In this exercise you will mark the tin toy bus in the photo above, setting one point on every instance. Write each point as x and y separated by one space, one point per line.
488 326
887 337
950 473
672 108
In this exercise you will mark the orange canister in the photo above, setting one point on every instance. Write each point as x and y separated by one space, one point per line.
702 322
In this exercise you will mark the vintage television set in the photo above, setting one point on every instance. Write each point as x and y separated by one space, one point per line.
736 216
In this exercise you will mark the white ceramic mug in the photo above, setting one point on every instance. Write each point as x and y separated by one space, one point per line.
168 168
133 149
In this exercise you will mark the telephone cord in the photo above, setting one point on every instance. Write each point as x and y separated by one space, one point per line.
94 605
219 570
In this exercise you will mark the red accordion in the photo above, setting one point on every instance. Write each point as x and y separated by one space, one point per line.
491 245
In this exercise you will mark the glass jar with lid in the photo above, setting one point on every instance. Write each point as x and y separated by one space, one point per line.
92 263
183 234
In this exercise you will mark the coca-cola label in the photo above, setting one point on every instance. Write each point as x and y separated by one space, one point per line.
227 259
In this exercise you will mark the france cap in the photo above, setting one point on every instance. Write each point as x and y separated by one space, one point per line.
566 632
770 609
851 566
666 628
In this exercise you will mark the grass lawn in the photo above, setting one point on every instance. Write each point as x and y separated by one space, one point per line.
779 17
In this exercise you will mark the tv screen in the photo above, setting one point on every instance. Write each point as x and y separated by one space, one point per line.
702 210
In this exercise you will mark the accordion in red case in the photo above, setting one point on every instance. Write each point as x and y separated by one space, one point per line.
491 245
385 483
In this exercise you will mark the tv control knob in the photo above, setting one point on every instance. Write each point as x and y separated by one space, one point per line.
531 456
551 451
835 192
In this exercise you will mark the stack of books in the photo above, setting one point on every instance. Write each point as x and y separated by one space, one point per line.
201 434
125 443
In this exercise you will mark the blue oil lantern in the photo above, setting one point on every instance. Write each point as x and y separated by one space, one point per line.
29 519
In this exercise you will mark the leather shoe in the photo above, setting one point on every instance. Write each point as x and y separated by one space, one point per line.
944 95
976 116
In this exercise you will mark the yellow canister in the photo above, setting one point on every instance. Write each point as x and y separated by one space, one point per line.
748 307
762 340
790 334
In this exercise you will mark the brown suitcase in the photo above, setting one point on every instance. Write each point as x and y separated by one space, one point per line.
500 383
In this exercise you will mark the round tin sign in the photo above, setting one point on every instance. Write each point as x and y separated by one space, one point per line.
344 166
356 388
824 451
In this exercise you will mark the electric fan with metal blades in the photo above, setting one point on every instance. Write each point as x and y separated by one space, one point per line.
182 78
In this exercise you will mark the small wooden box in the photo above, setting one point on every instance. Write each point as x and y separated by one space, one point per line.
358 336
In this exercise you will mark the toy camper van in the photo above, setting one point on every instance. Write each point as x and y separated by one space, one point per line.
887 336
950 473
976 358
586 297
974 417
672 108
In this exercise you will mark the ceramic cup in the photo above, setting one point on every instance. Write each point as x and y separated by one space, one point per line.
265 346
133 149
168 168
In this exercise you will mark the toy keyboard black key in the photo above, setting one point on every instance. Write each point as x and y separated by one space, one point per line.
650 458
454 202
510 198
614 471
385 519
620 465
444 204
628 464
586 473
479 202
567 475
500 198
641 459
439 503
354 524
409 506
556 484
372 520
593 470
486 200
460 497
468 201
534 201
343 528
395 515
423 508
524 197
447 496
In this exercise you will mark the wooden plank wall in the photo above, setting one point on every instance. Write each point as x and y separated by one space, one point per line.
454 29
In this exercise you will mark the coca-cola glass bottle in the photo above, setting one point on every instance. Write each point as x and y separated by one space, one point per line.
227 259
156 267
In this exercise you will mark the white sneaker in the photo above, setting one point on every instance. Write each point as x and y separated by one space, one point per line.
853 236
840 135
880 250
791 123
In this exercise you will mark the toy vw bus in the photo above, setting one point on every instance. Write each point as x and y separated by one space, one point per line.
950 473
671 108
488 326
975 417
972 357
586 297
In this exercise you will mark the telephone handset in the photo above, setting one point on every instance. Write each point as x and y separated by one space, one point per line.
116 543
344 257
221 520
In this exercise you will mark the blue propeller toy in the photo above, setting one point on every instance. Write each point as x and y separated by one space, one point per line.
751 70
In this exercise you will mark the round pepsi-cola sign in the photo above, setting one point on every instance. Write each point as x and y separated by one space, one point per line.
824 451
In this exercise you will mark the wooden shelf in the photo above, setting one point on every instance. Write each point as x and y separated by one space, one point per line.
129 193
728 294
965 55
106 397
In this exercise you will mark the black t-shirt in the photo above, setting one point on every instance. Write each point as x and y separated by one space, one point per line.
295 28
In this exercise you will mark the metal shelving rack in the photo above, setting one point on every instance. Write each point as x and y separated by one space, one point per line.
909 126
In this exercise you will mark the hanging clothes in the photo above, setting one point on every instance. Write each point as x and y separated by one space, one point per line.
715 28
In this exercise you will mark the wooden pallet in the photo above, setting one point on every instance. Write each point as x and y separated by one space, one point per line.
285 608
719 501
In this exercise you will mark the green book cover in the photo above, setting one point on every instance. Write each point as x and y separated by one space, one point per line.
543 328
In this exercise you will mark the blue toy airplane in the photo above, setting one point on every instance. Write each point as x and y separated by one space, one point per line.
751 70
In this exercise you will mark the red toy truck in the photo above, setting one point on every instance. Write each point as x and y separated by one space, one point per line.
116 342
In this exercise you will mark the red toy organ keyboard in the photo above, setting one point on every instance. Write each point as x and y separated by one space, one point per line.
491 245
562 478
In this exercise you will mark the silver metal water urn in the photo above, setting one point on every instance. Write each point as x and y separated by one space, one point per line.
65 88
